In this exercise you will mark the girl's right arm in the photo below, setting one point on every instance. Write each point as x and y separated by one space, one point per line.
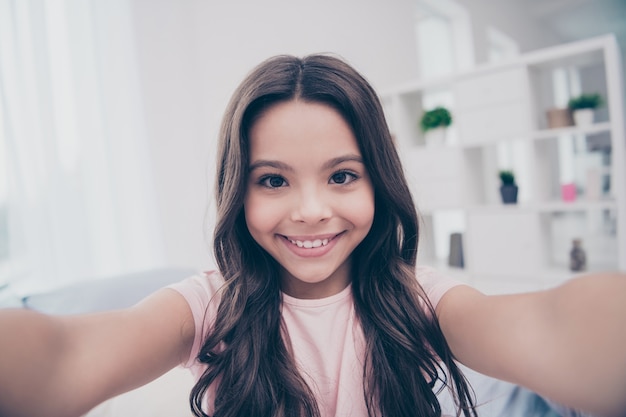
565 343
66 365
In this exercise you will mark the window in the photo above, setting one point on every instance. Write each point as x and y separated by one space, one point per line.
4 194
444 37
76 194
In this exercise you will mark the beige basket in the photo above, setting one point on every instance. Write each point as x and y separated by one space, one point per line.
559 118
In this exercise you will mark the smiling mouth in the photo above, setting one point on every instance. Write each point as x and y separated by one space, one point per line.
311 243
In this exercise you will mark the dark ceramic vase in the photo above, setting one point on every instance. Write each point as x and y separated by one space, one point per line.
509 194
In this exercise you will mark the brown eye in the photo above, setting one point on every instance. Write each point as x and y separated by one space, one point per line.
343 177
273 181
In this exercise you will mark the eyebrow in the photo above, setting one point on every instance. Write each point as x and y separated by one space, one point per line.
286 167
271 164
344 158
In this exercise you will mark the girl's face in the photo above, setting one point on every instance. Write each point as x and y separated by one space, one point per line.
309 200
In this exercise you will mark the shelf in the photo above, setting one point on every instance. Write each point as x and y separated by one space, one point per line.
543 134
510 282
548 206
579 205
542 278
580 53
500 122
571 130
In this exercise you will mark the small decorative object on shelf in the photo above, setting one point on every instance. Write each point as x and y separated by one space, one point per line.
568 192
508 188
577 257
558 117
583 106
455 259
434 123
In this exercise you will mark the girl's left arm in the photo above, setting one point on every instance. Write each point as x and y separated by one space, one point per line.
567 343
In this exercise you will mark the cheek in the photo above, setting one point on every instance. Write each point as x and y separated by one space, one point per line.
260 216
368 214
361 214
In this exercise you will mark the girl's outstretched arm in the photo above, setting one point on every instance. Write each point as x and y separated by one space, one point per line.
65 365
566 343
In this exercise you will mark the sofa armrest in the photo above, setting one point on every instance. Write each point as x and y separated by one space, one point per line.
104 294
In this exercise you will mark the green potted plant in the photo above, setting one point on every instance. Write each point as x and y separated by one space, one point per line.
508 187
433 124
583 106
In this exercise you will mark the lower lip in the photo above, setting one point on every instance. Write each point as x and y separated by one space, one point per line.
310 252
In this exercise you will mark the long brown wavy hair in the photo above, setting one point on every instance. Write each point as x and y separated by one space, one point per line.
248 362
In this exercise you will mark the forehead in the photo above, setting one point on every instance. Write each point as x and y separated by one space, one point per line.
297 129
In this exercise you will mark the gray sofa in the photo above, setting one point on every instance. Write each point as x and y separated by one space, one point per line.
104 294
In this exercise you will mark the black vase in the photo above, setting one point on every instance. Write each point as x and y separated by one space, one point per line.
509 194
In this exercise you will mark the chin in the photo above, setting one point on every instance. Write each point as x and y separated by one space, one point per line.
311 279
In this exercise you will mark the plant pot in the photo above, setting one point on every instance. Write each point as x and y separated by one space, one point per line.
583 117
435 137
509 194
559 117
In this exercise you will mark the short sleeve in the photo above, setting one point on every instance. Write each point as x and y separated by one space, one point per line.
435 283
200 293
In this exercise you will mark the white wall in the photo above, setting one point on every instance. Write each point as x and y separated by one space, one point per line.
193 53
510 17
172 97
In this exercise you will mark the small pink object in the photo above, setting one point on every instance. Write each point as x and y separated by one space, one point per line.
568 192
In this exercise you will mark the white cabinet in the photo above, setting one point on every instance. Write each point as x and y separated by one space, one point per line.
499 122
445 167
487 124
505 242
492 104
491 87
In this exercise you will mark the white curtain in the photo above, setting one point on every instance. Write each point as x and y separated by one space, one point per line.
76 195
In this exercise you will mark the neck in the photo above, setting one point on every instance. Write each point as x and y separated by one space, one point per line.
320 288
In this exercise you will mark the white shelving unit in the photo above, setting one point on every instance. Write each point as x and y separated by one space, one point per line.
501 110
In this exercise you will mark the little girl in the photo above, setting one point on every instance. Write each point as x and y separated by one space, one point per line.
317 307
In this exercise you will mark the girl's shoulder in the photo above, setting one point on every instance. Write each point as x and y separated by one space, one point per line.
435 283
200 287
201 291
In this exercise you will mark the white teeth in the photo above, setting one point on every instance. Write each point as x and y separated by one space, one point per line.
310 244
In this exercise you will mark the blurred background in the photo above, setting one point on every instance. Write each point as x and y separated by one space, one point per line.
110 109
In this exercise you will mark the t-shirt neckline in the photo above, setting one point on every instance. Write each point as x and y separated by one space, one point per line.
317 302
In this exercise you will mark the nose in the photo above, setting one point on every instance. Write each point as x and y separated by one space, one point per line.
311 206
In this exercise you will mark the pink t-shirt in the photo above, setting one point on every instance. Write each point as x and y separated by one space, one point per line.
327 340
